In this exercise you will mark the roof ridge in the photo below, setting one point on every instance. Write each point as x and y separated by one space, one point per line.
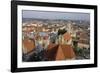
62 49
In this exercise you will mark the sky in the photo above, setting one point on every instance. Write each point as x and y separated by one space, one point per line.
55 15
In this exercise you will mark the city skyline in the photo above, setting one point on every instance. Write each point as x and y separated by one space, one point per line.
55 15
52 36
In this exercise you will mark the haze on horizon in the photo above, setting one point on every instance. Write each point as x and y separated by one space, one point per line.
55 15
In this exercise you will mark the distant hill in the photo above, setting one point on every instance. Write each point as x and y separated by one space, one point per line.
79 22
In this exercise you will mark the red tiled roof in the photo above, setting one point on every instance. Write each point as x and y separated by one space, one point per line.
28 44
68 51
51 52
59 52
51 45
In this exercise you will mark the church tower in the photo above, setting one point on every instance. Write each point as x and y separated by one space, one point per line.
69 27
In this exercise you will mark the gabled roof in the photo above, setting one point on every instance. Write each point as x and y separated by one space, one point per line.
51 52
28 45
68 51
59 52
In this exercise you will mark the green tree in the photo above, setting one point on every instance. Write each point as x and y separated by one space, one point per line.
61 31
